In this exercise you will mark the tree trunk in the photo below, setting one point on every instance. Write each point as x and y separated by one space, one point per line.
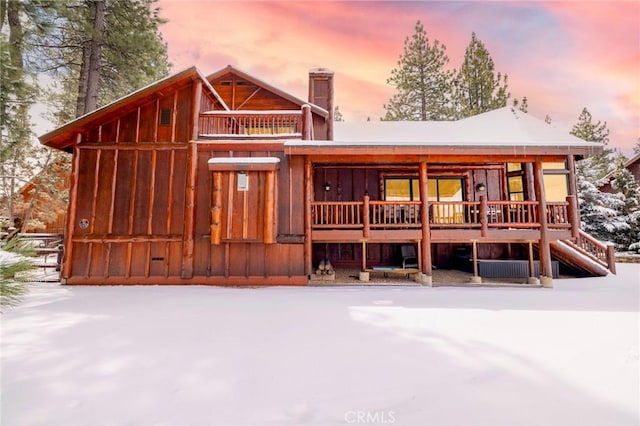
91 60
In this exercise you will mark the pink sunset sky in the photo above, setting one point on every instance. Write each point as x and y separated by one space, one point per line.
562 56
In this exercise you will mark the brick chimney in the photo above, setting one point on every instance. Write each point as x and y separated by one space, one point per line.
321 94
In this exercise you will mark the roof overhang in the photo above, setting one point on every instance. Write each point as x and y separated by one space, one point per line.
62 137
347 151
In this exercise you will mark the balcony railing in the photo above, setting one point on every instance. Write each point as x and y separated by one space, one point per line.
251 124
442 214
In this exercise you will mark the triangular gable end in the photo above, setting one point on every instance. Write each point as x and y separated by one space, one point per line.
159 112
242 91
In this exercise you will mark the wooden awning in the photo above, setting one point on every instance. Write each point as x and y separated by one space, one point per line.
242 164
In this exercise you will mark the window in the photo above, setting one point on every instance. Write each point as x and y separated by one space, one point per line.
555 187
401 189
555 181
408 189
516 188
165 117
445 189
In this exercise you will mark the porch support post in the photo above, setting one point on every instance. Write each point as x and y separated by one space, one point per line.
307 123
308 199
574 208
484 220
475 279
528 176
425 242
546 274
366 220
532 272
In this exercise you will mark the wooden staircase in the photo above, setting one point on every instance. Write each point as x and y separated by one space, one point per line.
586 254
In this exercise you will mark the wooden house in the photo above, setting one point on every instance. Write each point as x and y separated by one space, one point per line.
227 180
632 164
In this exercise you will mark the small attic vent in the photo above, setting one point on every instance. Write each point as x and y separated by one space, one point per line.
241 83
225 83
165 117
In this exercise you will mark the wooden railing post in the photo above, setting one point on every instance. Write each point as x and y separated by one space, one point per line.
574 216
611 258
307 123
365 217
483 216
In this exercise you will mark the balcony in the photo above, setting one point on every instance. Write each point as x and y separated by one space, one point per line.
344 221
250 124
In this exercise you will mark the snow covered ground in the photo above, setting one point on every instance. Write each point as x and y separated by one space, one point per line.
324 356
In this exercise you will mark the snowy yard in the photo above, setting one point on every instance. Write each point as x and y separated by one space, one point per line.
325 356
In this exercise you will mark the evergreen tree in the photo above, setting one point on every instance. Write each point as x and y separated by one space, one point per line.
20 21
636 148
102 50
521 105
422 83
337 115
624 182
600 211
477 88
586 129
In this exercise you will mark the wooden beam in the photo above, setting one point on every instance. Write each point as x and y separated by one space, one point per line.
65 271
366 220
190 211
269 207
196 98
308 199
544 248
307 123
425 240
216 210
474 257
532 271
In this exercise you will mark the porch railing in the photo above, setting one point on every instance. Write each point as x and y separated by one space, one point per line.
251 123
442 214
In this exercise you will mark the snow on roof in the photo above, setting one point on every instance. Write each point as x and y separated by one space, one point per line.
500 127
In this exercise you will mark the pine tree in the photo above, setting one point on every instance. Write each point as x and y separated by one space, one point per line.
337 115
600 211
624 182
586 129
17 94
522 106
102 50
477 88
422 83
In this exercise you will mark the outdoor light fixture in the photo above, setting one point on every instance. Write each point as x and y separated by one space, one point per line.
481 187
327 186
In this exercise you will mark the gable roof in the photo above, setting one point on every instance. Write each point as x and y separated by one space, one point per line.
627 165
60 137
503 128
233 70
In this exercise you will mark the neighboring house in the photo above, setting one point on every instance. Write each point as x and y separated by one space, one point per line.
228 180
633 165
